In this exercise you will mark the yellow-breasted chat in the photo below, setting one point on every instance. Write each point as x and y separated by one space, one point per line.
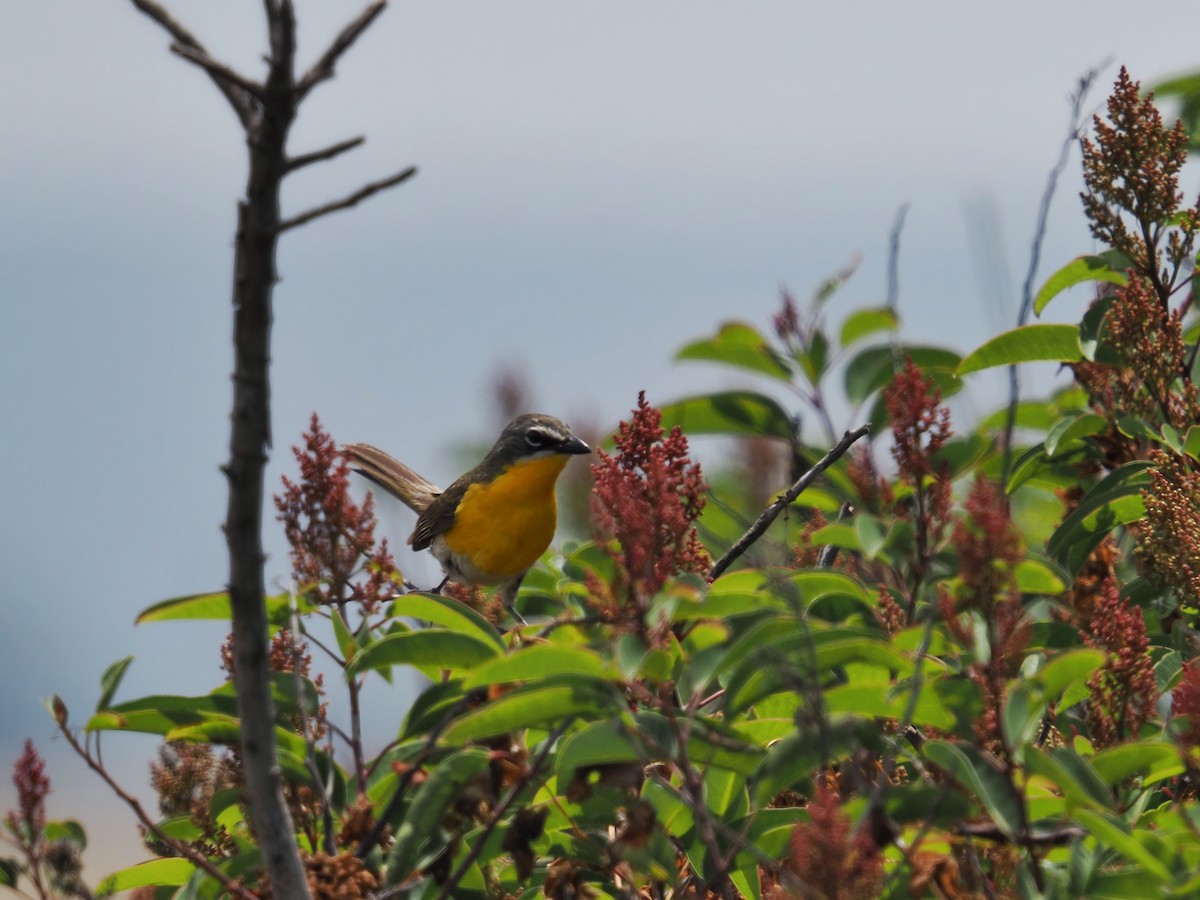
494 522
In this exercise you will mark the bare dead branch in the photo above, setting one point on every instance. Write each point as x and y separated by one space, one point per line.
218 70
242 105
323 68
771 513
1077 98
353 200
307 159
193 856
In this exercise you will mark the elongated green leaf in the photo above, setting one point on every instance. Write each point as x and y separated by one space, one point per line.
873 368
1029 343
1115 500
111 680
615 740
1069 430
741 346
968 767
1111 832
216 606
147 874
882 699
546 702
1153 760
347 645
863 322
817 583
422 829
1109 266
1035 576
1067 668
447 612
429 647
537 661
729 412
1063 768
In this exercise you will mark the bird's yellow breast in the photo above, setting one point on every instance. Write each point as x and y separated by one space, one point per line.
505 525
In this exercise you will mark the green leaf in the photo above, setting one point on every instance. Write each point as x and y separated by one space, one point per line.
1067 668
1035 576
216 606
611 741
534 662
729 412
1029 343
1109 266
1072 429
9 872
1153 760
428 647
147 874
1070 773
874 367
882 699
741 346
111 680
347 645
1115 500
66 830
968 767
543 703
451 614
1111 832
422 829
863 322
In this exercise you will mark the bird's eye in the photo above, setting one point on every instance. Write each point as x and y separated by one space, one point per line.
536 438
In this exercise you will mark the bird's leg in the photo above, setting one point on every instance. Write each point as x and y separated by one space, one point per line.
508 595
441 584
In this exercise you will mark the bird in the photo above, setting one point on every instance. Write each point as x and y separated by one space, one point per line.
493 523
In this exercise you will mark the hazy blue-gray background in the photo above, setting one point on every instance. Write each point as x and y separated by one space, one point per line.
598 182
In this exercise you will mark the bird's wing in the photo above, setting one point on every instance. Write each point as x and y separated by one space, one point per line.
393 476
438 517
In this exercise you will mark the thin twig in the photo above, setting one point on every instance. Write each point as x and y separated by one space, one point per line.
306 159
310 745
1035 255
499 812
323 68
241 104
193 856
771 513
353 200
893 282
218 70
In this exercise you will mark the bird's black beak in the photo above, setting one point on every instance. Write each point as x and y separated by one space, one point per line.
573 445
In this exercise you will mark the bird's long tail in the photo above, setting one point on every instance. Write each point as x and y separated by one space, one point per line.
392 475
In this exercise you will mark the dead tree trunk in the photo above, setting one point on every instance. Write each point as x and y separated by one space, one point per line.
266 111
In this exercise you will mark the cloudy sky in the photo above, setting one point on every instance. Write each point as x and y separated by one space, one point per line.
599 182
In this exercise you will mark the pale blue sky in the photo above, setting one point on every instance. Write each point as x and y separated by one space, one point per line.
599 182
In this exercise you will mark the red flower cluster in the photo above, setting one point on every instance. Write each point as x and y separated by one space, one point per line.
329 533
32 784
1168 538
989 548
645 504
1124 689
920 427
1185 701
1131 172
833 863
920 424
